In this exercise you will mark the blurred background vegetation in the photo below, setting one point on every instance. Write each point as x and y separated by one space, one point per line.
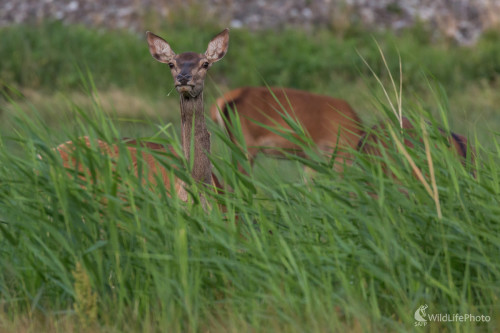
43 62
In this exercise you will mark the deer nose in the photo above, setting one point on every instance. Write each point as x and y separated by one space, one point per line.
184 78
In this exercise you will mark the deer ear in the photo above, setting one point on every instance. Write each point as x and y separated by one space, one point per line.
159 48
217 47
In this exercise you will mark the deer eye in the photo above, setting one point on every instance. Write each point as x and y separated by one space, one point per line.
171 65
205 65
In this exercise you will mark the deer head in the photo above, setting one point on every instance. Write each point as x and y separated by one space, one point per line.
189 69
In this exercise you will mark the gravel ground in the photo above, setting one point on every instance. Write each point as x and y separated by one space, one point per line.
460 20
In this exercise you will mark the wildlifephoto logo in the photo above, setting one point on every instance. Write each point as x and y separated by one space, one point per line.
422 318
420 314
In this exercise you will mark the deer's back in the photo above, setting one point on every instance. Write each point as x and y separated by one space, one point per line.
378 138
153 169
321 116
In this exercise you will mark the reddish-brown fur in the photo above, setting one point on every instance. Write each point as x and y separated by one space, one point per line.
325 119
379 136
155 169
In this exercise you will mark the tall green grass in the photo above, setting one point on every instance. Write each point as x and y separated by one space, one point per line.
104 252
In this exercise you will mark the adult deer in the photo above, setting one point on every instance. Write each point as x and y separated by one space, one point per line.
189 70
331 123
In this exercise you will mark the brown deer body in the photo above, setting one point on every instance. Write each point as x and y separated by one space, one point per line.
67 152
331 123
378 138
189 70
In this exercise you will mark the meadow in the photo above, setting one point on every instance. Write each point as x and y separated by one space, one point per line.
294 251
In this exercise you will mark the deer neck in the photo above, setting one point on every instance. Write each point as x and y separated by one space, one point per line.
194 128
